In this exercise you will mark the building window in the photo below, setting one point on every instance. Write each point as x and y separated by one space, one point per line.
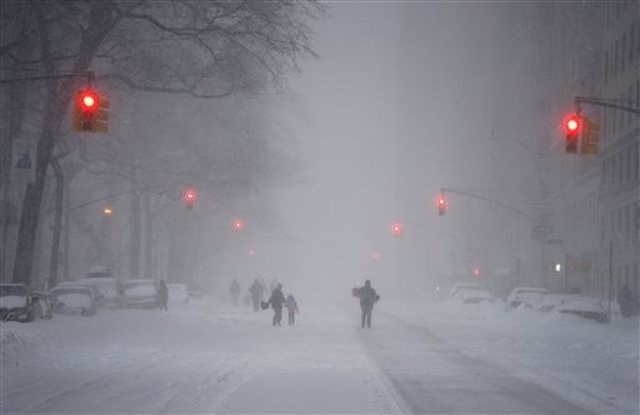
632 44
636 152
623 52
627 222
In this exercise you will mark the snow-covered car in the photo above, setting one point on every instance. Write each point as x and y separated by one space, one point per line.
74 299
95 291
140 294
100 272
457 287
16 303
475 295
178 293
107 290
526 296
585 307
42 305
551 302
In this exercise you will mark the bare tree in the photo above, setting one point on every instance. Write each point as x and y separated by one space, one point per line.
202 48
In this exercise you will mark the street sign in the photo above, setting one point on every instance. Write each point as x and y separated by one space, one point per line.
553 241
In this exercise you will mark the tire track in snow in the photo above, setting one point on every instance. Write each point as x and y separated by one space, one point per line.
95 382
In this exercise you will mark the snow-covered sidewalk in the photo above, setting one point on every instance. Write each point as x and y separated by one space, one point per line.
592 364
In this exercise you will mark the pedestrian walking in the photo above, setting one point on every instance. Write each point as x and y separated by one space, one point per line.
626 301
368 297
163 295
235 291
277 301
292 309
257 291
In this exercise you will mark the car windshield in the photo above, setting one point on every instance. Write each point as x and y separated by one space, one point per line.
67 290
12 290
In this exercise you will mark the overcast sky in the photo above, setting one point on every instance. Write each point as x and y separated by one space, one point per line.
400 103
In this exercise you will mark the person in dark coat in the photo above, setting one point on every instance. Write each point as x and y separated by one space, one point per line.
163 295
277 301
626 300
235 291
257 291
368 297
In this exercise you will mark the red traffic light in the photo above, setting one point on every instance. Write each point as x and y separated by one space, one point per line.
88 100
476 272
238 225
190 196
572 127
572 123
397 230
442 205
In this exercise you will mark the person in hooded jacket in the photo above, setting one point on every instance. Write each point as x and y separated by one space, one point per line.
277 301
292 308
368 297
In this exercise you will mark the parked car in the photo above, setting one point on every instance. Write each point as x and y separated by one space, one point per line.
475 295
16 303
527 296
95 291
100 272
140 294
551 302
42 305
107 288
74 299
460 286
585 307
178 293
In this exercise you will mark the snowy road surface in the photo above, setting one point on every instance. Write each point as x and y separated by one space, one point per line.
207 358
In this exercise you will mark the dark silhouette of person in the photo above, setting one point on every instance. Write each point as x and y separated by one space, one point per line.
292 308
235 291
163 295
626 301
257 291
368 297
277 301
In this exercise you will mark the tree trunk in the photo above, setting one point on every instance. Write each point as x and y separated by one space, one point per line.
136 230
148 238
58 97
57 224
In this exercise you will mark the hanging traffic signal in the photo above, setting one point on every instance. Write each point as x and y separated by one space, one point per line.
238 225
572 128
442 205
91 112
190 196
397 230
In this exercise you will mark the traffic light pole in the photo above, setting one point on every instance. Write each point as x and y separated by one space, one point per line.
89 75
607 103
486 199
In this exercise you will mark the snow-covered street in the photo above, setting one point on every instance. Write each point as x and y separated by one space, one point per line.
206 357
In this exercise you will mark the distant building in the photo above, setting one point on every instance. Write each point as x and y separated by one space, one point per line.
619 158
